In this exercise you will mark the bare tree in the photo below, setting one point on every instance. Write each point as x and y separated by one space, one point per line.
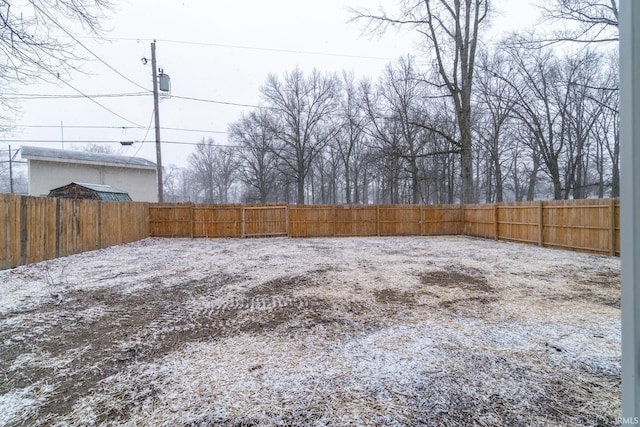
326 174
201 162
214 170
587 100
99 149
397 118
583 21
171 183
29 51
608 132
351 136
301 105
496 97
258 162
538 92
450 30
384 136
226 171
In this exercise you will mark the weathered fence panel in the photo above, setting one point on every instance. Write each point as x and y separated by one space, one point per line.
265 221
438 220
217 221
171 220
351 221
312 221
399 220
38 228
479 221
584 225
587 225
520 222
35 229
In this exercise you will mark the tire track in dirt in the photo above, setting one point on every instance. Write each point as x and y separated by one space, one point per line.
93 350
239 310
137 326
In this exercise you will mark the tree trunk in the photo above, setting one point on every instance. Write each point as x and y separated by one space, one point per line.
533 178
466 153
300 195
615 172
347 182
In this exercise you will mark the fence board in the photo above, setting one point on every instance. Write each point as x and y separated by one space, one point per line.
312 221
480 221
35 229
442 220
519 222
5 231
399 220
173 220
265 221
217 221
581 224
352 221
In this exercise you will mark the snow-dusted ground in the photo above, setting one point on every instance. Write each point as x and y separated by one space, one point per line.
352 331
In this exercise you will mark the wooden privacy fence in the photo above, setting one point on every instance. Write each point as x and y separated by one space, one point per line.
586 225
190 220
590 225
34 229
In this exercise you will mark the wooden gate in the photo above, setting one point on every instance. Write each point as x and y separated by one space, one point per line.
265 221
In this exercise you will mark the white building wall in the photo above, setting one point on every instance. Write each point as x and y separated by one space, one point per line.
140 183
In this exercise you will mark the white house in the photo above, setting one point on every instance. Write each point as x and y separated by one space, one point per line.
51 168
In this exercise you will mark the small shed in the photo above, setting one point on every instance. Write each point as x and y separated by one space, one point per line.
79 190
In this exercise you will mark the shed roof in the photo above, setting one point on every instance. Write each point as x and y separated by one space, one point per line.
103 192
70 156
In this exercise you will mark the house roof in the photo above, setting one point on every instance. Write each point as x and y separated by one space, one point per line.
70 156
104 192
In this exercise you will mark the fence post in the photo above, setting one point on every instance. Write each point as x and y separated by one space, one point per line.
286 213
612 227
99 227
173 221
495 220
23 230
335 220
243 222
540 224
191 222
378 220
6 202
57 227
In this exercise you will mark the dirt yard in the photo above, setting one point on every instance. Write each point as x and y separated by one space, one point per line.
363 331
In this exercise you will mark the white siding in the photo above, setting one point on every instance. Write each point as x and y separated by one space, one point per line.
140 183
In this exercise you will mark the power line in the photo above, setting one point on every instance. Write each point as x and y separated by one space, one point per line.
264 49
146 134
106 141
97 103
85 47
236 104
133 94
27 96
116 127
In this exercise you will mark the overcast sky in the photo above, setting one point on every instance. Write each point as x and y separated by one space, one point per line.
218 51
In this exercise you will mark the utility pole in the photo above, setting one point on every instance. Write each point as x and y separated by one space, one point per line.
156 113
